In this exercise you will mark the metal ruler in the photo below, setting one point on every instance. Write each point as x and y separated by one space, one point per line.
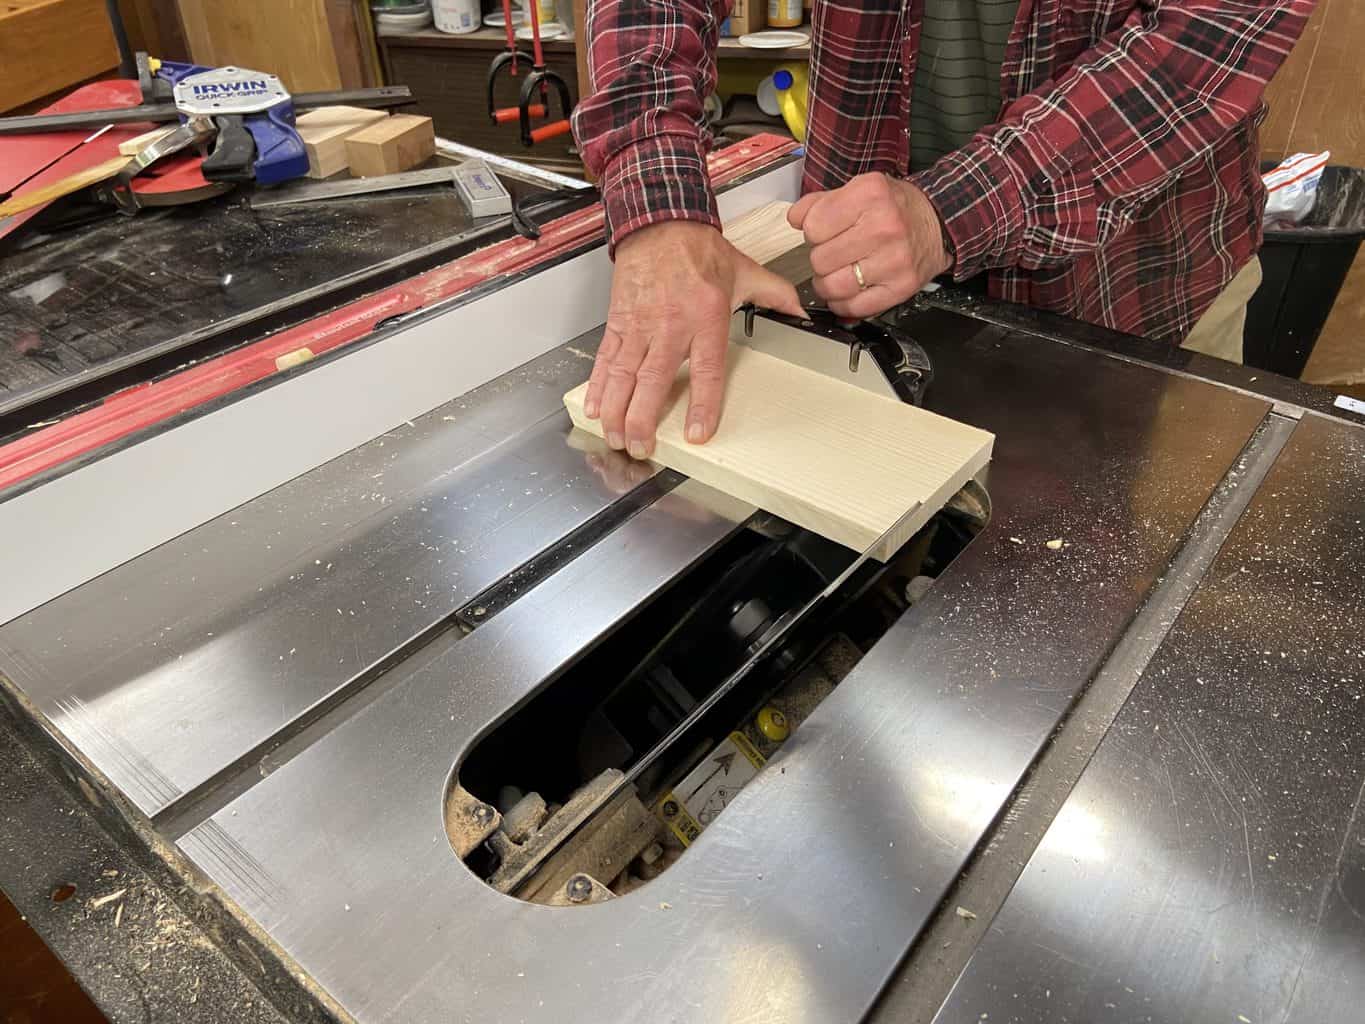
515 168
313 191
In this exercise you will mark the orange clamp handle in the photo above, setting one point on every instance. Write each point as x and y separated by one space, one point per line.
505 114
549 131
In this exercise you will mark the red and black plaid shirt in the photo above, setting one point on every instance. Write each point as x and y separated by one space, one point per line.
1120 184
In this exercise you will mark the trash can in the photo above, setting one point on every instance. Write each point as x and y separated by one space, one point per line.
1303 268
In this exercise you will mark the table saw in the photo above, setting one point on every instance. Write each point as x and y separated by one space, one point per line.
316 667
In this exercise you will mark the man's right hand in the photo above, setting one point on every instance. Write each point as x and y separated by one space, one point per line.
675 286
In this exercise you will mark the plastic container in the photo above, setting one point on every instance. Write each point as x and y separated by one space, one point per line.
457 16
791 83
785 13
1303 268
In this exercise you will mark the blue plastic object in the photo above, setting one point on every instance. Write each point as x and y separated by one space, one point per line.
280 153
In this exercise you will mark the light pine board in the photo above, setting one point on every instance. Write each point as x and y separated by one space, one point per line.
829 456
764 234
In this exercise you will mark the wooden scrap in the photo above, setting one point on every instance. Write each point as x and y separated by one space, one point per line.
324 132
841 461
74 183
395 144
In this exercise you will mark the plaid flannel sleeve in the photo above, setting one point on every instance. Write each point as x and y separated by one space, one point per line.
1070 164
652 62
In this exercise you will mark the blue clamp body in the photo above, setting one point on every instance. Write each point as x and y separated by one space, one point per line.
264 145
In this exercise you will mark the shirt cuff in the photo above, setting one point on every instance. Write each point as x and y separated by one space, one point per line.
979 205
657 179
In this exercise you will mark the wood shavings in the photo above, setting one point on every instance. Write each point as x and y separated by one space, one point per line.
102 901
1055 545
965 914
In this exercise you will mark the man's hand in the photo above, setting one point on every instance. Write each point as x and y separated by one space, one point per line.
675 286
887 227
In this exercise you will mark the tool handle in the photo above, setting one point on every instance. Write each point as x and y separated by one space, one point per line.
511 33
505 114
533 7
549 131
233 153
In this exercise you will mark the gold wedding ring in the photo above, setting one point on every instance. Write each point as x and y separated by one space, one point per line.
858 273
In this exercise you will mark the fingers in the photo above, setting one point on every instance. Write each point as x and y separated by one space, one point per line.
876 299
619 386
706 373
653 383
606 352
842 282
826 215
840 252
762 287
797 212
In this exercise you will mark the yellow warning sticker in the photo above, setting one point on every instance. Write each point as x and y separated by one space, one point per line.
708 789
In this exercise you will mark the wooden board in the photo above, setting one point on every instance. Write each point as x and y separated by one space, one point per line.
324 132
395 144
818 451
764 234
50 45
289 38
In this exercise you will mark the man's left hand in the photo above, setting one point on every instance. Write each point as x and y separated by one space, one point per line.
873 243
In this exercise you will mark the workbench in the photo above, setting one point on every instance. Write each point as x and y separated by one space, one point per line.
1104 764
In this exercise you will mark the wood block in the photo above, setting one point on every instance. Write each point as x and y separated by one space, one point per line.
135 145
397 143
50 45
324 132
829 456
763 234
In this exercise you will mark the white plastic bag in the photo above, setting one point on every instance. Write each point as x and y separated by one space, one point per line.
1293 188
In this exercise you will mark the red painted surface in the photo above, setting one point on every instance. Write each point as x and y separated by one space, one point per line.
146 405
21 155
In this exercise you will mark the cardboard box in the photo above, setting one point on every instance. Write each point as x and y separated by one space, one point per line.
745 16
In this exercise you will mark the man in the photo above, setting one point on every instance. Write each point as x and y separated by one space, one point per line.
1105 166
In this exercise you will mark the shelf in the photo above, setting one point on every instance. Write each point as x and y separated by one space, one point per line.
730 47
496 39
480 39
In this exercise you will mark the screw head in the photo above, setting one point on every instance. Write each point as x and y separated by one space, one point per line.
483 814
579 888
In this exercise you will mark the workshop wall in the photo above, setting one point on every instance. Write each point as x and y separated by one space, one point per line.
288 37
1314 105
47 46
